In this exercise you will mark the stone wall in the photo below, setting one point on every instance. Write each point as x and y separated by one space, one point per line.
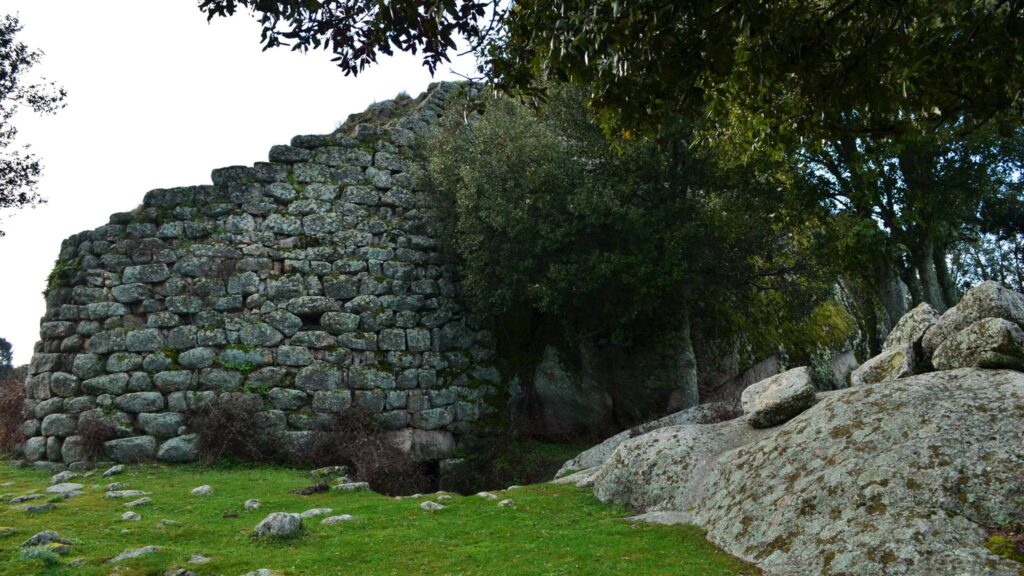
307 284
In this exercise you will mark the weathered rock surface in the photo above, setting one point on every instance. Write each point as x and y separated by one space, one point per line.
891 364
595 456
775 400
895 478
911 328
279 525
988 343
665 469
986 300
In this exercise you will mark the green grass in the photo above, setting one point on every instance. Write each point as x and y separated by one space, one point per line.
553 530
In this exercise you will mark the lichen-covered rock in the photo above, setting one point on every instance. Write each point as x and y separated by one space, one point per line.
986 300
775 400
891 364
665 469
898 478
597 455
911 328
279 525
988 343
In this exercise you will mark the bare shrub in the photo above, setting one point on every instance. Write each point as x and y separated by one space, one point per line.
355 439
12 413
230 430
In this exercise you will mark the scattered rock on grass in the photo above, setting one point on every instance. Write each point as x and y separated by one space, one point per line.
62 477
352 487
140 502
24 498
506 504
131 516
262 572
134 553
113 486
125 494
336 519
45 537
67 489
444 498
252 504
198 559
166 522
431 506
113 471
38 508
487 495
314 512
279 525
204 490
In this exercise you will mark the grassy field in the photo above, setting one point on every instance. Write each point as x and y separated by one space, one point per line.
552 530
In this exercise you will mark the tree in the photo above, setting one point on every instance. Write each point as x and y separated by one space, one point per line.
6 358
19 169
769 73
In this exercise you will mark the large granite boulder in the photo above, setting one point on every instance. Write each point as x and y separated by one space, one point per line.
775 400
597 455
898 478
665 469
988 343
986 300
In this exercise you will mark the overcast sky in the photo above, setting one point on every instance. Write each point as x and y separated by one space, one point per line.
157 97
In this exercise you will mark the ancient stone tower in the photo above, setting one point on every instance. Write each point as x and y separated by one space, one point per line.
305 286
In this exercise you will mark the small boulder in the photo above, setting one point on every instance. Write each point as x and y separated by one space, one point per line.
487 495
314 512
44 538
352 487
891 364
251 504
279 525
777 399
204 490
125 494
180 449
113 471
131 516
506 504
140 502
67 489
134 553
62 477
911 328
430 506
336 519
988 343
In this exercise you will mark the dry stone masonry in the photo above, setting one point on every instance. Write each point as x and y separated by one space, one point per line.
306 286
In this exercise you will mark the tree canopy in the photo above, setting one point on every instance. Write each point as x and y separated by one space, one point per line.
765 72
19 169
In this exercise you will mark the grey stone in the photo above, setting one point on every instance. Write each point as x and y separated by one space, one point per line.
987 343
312 305
131 450
134 553
180 449
433 418
146 273
223 380
331 401
87 366
173 381
135 402
34 448
147 340
892 364
58 425
294 356
318 377
123 362
911 328
339 322
779 398
110 384
986 300
162 424
279 525
287 398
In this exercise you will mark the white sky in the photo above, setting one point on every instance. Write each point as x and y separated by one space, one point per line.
158 98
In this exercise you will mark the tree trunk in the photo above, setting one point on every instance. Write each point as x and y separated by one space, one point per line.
924 260
909 276
688 389
950 292
893 294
